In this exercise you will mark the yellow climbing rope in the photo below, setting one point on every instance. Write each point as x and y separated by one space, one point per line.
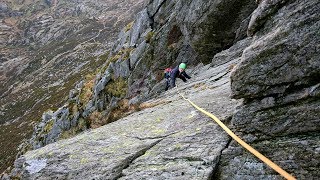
242 143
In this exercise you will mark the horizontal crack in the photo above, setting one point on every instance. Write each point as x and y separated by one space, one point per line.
220 77
155 137
188 158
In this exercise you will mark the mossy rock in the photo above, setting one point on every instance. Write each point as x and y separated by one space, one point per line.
86 91
149 37
48 126
128 26
117 87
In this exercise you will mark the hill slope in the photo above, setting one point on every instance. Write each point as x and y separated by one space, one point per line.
46 47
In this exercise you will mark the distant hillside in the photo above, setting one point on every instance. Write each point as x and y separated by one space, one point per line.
46 47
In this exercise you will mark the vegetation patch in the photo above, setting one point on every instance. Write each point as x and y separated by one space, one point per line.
81 126
126 53
73 108
123 54
117 87
159 75
149 37
149 57
146 105
95 119
86 91
128 26
174 35
120 111
104 57
198 85
48 127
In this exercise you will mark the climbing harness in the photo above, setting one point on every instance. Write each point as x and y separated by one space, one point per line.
242 143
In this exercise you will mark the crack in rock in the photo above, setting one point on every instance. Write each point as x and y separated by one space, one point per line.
138 154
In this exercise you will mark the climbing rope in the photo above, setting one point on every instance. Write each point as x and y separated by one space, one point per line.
242 143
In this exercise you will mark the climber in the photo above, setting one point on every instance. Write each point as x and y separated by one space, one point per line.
172 74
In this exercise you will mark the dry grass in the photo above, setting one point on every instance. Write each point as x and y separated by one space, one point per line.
120 111
117 87
96 119
146 105
86 91
232 67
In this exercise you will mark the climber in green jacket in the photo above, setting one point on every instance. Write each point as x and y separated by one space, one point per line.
172 74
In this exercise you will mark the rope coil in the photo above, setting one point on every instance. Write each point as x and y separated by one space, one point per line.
242 143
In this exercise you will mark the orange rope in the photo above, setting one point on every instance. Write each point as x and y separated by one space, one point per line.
244 144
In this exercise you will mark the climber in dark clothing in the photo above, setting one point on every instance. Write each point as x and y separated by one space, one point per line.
179 72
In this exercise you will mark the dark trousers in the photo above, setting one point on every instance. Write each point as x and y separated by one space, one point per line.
167 76
167 84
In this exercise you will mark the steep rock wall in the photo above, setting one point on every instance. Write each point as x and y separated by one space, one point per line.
278 77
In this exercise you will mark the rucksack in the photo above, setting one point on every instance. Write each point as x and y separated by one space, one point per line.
167 72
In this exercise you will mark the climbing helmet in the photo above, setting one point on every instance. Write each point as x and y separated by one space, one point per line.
183 66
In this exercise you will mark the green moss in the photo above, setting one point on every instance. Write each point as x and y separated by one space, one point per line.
117 87
149 57
121 54
73 108
82 125
149 37
104 57
48 127
178 146
115 58
126 53
67 134
128 26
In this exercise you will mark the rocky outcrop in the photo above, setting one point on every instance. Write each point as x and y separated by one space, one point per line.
182 31
170 140
277 77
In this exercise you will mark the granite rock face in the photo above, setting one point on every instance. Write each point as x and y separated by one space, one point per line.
273 73
278 74
170 140
278 79
289 41
159 37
